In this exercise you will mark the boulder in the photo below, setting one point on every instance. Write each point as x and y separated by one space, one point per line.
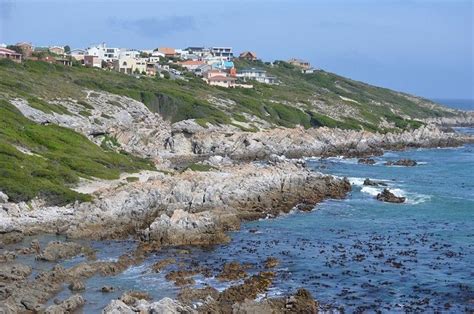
389 197
3 198
402 162
374 183
366 161
56 250
70 305
271 262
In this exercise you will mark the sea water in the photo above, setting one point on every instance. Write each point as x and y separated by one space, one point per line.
357 253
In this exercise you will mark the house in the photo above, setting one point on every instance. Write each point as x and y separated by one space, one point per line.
300 63
103 52
56 50
257 75
26 49
10 54
248 55
220 79
151 69
202 69
168 52
92 61
77 54
307 71
198 52
64 61
129 53
130 65
222 52
191 65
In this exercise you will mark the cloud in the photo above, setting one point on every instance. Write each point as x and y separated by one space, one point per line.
157 27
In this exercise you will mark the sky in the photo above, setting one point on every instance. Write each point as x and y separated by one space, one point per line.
424 47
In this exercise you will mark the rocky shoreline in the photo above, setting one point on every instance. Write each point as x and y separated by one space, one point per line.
248 177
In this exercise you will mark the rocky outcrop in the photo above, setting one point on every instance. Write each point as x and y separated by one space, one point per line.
389 197
186 208
165 305
374 183
56 250
402 162
70 305
366 161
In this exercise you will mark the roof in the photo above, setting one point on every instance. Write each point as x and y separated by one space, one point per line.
253 70
246 53
167 50
220 78
5 51
192 62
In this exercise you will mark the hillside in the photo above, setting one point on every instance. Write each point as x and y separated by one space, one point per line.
310 100
43 157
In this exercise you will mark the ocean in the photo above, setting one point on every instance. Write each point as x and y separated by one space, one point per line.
463 104
356 254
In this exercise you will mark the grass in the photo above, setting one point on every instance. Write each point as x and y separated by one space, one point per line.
58 158
199 167
178 100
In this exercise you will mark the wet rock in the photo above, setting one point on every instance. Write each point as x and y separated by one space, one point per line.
232 271
107 289
366 161
117 307
389 197
158 266
77 285
271 262
132 297
184 228
188 295
402 162
70 305
7 256
374 183
181 277
56 250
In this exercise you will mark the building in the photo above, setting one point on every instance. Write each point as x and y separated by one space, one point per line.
248 55
222 81
198 52
126 53
307 71
78 54
103 52
26 49
130 65
191 65
151 69
202 69
56 50
10 54
92 61
64 61
222 52
168 52
257 75
300 63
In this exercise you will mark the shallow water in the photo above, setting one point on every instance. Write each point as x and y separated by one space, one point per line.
357 253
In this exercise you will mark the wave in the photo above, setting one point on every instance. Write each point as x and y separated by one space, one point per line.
411 198
360 181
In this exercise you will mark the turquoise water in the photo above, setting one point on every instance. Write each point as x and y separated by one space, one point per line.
358 253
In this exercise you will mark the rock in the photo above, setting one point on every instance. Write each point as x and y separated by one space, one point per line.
366 161
77 285
302 302
271 262
189 296
107 289
117 307
387 196
181 277
374 183
158 266
402 162
232 271
3 198
132 297
70 305
56 250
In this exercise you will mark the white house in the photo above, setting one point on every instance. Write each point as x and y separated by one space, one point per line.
129 53
103 52
130 65
222 52
257 75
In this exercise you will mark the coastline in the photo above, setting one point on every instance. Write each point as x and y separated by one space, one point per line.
215 202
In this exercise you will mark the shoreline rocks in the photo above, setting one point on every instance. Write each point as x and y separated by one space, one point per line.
389 197
402 162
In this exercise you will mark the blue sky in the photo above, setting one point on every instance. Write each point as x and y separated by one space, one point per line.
421 47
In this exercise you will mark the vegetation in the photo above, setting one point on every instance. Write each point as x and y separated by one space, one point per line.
45 160
289 104
199 167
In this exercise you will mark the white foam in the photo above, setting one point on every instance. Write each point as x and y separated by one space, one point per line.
411 198
371 190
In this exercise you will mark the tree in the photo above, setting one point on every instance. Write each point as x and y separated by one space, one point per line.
67 49
15 48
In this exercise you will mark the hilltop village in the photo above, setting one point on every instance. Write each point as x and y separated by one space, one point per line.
215 65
